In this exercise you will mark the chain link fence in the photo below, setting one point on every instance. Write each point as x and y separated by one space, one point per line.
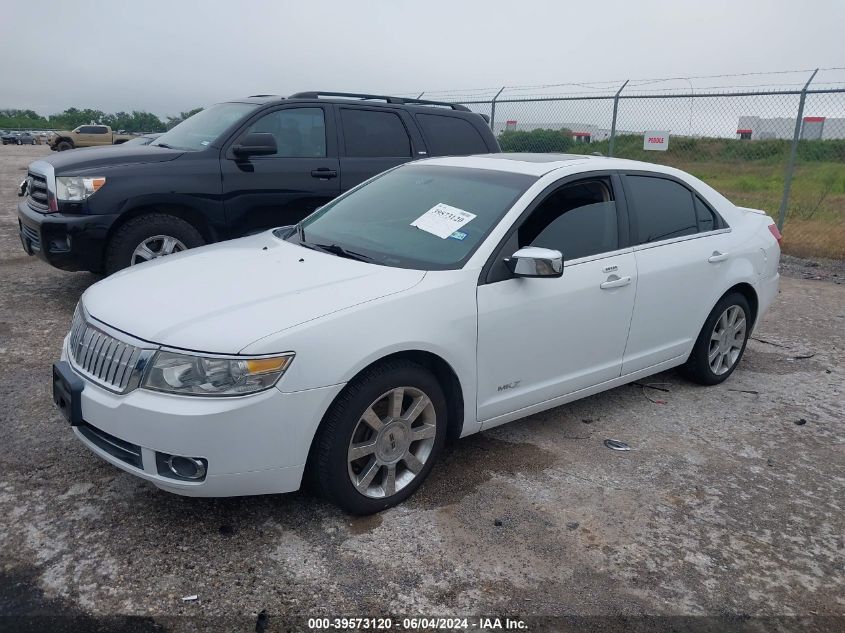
780 149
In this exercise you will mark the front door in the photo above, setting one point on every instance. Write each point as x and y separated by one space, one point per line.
542 338
263 192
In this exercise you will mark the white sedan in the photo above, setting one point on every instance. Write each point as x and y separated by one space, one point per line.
441 298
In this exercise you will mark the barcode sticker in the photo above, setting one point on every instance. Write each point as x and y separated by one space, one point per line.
443 220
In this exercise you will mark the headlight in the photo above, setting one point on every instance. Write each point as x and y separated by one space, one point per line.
77 188
200 376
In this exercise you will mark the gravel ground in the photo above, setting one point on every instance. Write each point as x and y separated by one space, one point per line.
730 503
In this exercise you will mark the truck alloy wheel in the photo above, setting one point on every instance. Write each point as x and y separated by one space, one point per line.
154 247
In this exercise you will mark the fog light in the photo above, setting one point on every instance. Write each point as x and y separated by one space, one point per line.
186 467
181 467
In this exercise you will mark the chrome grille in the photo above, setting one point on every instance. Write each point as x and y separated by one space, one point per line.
36 190
100 357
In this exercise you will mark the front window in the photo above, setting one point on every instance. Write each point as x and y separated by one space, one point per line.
383 220
205 127
299 132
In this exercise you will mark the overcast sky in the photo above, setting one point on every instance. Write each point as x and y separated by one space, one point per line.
173 55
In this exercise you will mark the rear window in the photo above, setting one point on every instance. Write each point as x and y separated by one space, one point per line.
372 134
707 219
664 208
450 136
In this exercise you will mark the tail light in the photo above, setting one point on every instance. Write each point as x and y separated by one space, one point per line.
773 229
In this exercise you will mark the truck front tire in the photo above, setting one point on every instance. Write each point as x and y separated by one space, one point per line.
63 145
148 237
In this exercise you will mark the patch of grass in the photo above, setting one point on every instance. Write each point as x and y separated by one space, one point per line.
751 174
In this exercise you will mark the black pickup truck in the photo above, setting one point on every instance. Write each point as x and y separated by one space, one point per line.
232 169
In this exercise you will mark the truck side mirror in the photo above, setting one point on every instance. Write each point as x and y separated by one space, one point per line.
256 144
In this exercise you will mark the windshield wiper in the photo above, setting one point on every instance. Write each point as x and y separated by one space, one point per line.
336 249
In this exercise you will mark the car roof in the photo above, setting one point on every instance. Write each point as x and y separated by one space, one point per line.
535 164
419 105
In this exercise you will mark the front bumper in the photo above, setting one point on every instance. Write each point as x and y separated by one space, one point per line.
254 444
69 242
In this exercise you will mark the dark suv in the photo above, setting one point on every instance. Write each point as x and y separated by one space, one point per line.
232 169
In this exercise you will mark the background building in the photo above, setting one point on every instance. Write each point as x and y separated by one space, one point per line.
812 127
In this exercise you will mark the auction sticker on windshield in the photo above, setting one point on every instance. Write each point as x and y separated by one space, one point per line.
443 220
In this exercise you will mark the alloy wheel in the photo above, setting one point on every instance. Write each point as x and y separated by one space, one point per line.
726 340
391 442
156 246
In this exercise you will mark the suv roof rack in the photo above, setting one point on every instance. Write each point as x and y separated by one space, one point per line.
387 99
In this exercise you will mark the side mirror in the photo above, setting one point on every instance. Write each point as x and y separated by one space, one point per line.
256 144
533 261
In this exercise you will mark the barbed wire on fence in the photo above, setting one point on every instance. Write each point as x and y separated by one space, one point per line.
773 141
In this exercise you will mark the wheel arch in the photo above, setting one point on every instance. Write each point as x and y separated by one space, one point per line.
443 372
746 290
184 212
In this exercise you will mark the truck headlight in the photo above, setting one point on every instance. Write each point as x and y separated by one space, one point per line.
77 188
208 376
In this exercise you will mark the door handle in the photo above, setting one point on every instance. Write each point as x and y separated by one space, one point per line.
324 172
615 281
717 257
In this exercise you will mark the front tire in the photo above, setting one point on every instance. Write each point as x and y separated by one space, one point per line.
380 438
149 237
64 145
721 343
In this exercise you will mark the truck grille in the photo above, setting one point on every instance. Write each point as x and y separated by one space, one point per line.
36 191
102 358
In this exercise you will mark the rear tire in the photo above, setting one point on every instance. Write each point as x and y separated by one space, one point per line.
721 342
154 229
395 459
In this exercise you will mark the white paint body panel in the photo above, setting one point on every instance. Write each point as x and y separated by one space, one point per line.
551 336
549 341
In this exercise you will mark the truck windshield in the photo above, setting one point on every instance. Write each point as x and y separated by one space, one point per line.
427 217
202 129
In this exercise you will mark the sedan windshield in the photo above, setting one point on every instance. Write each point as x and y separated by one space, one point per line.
427 217
202 129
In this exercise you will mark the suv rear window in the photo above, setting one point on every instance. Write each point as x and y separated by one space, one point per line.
372 134
450 136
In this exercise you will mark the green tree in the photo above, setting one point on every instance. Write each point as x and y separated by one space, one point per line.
173 121
538 140
12 118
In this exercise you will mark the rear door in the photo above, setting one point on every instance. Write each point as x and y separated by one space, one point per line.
263 192
101 135
681 254
84 135
373 140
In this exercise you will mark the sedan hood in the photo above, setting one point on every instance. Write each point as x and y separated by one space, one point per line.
109 156
221 298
